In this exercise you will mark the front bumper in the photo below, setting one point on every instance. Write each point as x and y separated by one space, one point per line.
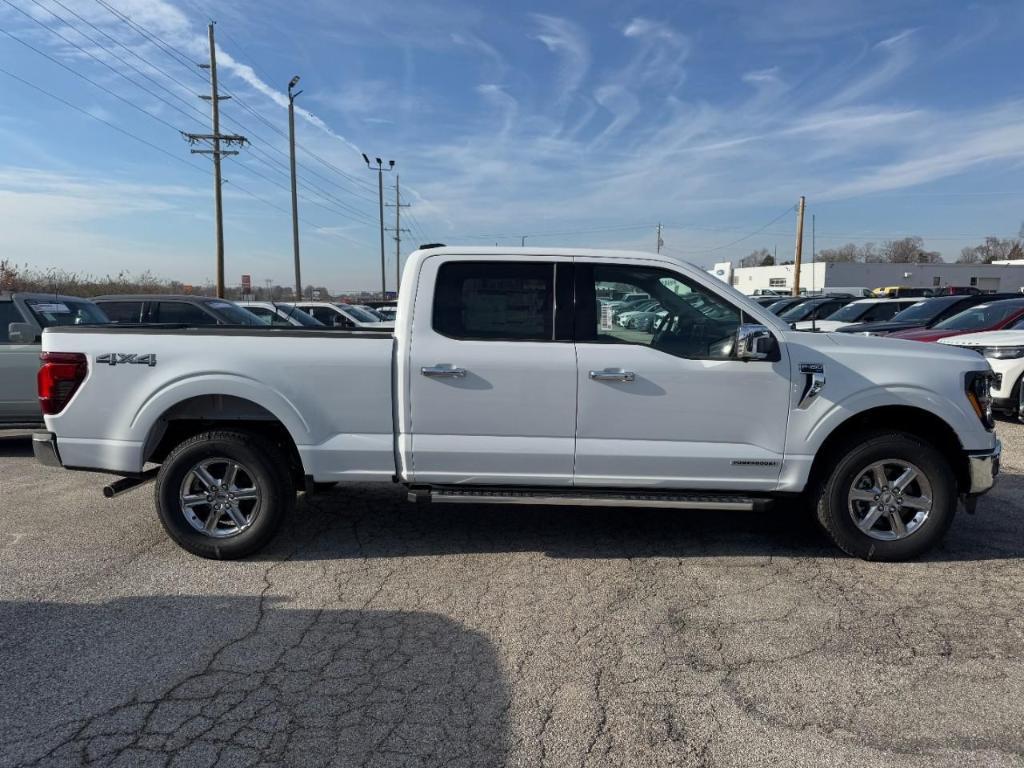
984 467
44 446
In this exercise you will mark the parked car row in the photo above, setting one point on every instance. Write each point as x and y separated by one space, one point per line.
23 316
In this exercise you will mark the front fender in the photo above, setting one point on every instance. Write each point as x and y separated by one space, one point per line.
821 422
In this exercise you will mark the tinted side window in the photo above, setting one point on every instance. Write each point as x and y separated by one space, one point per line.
181 312
266 316
510 301
122 311
8 314
882 312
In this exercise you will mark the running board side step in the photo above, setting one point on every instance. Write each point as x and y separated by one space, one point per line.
582 499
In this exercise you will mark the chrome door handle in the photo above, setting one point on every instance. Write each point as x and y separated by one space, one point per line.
443 372
613 375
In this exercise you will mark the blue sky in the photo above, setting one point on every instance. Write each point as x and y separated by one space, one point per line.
575 123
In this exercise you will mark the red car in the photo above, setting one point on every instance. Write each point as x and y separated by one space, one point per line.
993 316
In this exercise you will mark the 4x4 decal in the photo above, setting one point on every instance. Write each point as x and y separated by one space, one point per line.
118 358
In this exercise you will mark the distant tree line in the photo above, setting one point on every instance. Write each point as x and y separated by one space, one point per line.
907 250
14 277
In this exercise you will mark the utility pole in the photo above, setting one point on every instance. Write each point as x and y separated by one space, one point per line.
814 252
660 241
380 197
799 245
295 189
398 230
216 152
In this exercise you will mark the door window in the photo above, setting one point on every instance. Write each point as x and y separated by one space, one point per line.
682 319
267 317
8 314
122 311
181 312
506 301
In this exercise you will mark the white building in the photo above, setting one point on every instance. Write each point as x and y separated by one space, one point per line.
821 276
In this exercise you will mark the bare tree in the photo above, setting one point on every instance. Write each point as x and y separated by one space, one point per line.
909 250
844 253
993 249
756 258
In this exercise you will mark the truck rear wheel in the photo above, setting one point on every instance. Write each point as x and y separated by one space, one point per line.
223 494
892 497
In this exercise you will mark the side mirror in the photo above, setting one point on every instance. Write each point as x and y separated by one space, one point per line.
22 333
754 342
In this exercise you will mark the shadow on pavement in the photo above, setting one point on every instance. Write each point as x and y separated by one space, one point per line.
137 680
15 444
366 521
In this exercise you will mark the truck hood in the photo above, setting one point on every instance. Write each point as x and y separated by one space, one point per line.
880 328
986 339
842 345
822 326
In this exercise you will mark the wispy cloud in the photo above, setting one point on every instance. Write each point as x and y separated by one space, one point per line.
566 40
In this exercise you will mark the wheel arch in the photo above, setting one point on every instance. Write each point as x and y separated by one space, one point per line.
205 412
896 418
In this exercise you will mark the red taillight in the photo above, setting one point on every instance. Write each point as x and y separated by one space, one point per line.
59 377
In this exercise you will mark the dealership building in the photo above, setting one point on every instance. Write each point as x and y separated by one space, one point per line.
822 276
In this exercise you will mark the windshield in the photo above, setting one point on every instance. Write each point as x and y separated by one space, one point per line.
922 312
302 318
850 312
981 316
782 305
65 312
232 314
800 311
359 314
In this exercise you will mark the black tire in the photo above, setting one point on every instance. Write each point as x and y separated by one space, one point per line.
265 466
832 503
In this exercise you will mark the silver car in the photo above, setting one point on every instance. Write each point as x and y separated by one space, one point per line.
22 319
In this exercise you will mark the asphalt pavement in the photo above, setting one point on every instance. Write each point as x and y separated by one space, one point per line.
377 633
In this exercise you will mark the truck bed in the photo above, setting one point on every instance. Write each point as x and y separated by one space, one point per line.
331 388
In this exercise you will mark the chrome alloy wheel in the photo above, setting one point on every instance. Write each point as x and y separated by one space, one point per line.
220 497
890 499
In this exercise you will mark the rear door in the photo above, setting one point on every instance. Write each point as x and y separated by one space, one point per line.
491 375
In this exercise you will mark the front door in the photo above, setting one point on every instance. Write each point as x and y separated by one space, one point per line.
491 381
662 402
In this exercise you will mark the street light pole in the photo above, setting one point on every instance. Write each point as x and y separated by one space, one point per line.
380 197
295 193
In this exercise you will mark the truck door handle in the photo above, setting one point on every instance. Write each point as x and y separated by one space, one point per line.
443 372
613 375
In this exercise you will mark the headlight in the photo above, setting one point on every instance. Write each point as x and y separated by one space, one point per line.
1003 353
868 333
979 394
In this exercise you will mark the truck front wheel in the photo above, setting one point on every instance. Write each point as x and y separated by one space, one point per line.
892 497
223 495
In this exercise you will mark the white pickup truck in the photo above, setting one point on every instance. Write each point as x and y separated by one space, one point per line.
506 381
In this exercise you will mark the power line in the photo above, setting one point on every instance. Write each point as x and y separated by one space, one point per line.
166 153
758 231
92 82
184 59
63 20
107 123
